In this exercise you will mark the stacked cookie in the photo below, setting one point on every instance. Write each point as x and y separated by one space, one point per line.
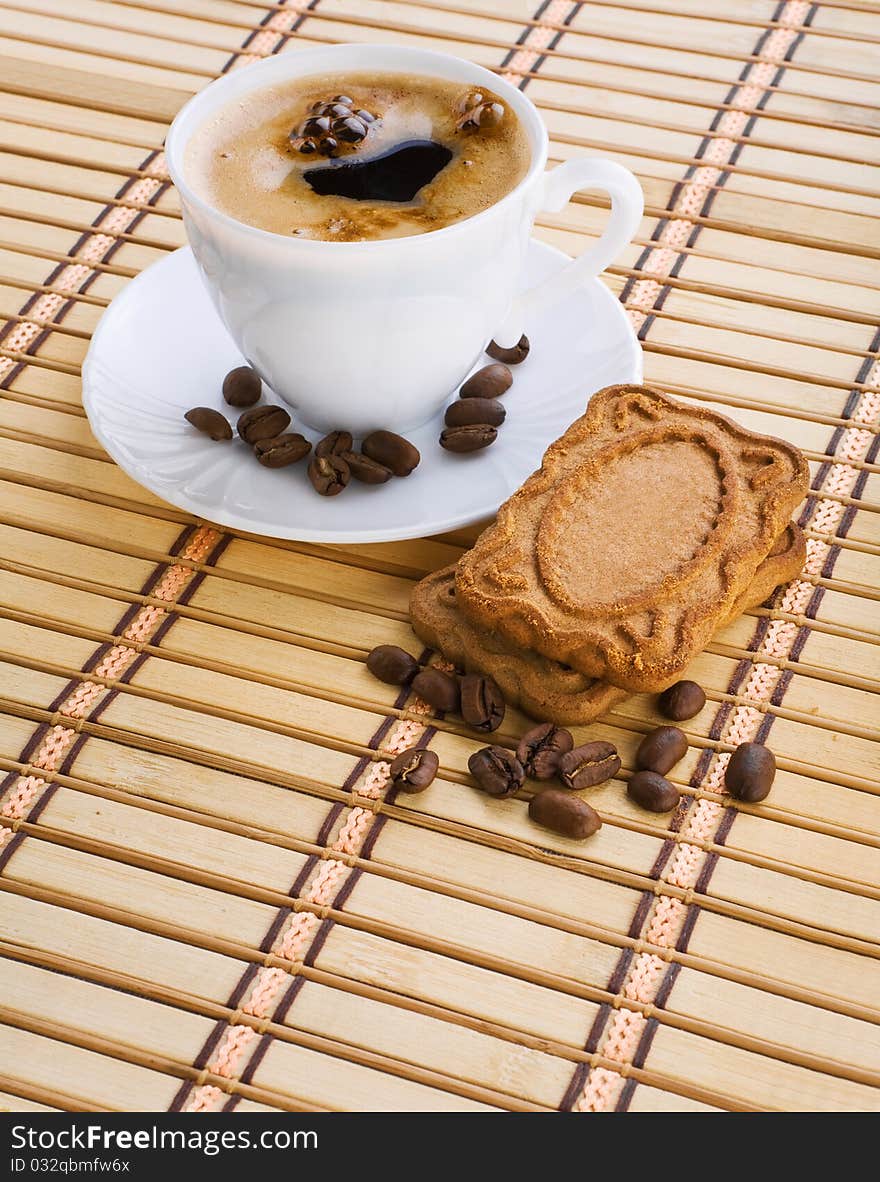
649 525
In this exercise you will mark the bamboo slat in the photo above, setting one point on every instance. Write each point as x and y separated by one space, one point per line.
169 858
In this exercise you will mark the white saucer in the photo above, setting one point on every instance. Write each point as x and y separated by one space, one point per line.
161 349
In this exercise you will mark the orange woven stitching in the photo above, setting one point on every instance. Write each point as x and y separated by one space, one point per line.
231 1049
205 1099
601 1092
537 39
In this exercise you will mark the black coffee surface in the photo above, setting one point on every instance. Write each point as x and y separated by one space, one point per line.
397 175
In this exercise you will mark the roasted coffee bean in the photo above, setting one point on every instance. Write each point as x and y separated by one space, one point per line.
413 770
564 813
263 422
329 475
471 100
489 114
328 145
242 386
334 444
661 750
591 764
392 664
466 439
349 129
541 749
497 771
343 99
365 469
392 450
467 412
512 356
438 689
317 125
681 701
652 792
209 422
282 450
488 382
365 117
482 703
750 772
303 145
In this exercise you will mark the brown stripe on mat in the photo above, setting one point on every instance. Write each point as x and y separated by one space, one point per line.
664 922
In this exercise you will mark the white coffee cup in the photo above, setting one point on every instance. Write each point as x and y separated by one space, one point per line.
364 335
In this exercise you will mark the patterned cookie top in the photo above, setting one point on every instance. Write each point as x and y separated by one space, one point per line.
645 523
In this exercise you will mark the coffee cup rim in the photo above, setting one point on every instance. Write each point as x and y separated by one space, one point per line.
405 59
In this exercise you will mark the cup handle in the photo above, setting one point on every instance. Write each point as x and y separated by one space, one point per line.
627 206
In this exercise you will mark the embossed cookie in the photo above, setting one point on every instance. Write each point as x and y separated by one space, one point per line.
645 523
542 688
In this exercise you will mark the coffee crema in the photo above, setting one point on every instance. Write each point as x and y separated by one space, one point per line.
404 154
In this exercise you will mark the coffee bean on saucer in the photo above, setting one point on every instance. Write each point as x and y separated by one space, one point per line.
468 411
334 444
488 382
482 703
242 386
281 450
438 689
263 422
750 772
681 701
564 813
329 475
364 469
661 750
589 765
392 450
392 665
541 749
652 792
497 771
413 770
467 439
209 422
512 356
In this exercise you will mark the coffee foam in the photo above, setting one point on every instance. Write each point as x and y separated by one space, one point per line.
240 160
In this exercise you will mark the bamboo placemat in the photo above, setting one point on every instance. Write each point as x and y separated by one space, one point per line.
210 897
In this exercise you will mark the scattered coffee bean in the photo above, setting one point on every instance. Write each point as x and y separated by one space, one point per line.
477 116
462 440
512 356
681 701
263 422
392 450
209 422
303 145
343 99
329 475
482 703
438 689
328 145
242 386
413 770
472 99
392 664
334 444
652 792
589 765
317 125
469 411
349 129
488 382
750 772
282 450
497 771
564 813
541 749
490 114
661 750
364 469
